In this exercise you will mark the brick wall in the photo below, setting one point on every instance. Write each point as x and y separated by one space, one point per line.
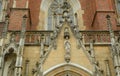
89 11
103 8
34 6
94 16
21 3
16 17
17 13
95 12
87 6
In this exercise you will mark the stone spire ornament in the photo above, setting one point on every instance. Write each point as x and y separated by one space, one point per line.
18 68
114 50
2 43
96 67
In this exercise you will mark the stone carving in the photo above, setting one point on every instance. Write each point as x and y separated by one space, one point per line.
12 39
114 49
67 44
11 46
38 70
66 5
67 49
42 49
44 52
97 70
18 67
66 33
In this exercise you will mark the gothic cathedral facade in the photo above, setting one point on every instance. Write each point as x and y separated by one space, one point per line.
59 37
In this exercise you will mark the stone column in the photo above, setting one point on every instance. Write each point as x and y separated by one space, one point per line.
114 50
18 68
108 72
2 44
27 67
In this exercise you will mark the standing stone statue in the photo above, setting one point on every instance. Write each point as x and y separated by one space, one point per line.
67 49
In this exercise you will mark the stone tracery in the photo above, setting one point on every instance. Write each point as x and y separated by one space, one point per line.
48 40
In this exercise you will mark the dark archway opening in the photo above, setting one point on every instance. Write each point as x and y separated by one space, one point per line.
9 63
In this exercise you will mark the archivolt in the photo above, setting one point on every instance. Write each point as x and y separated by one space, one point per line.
70 64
